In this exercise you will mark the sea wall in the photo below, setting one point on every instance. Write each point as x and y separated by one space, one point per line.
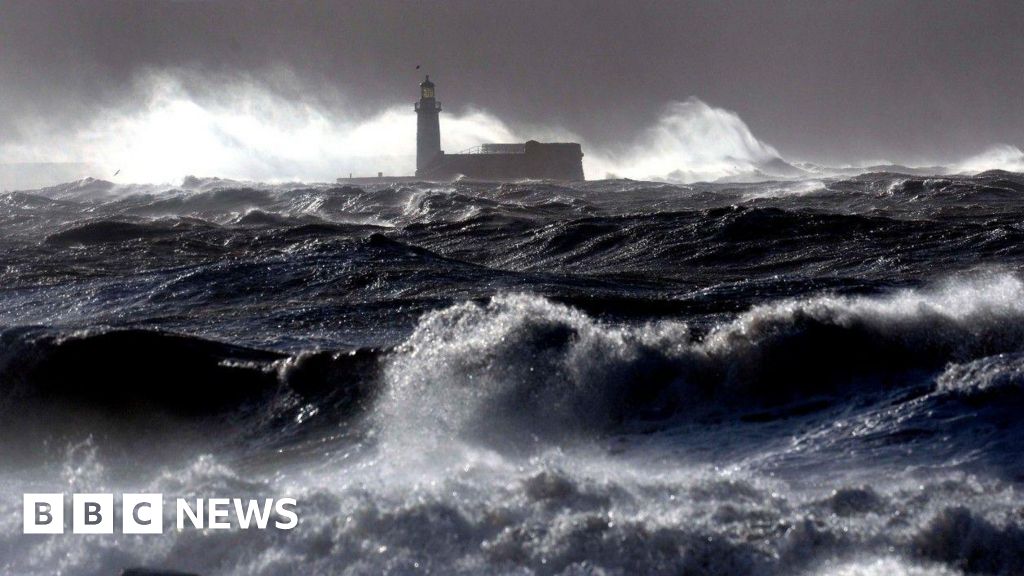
555 161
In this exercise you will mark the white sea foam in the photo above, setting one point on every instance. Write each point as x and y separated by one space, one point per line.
243 130
521 369
999 157
559 513
691 141
987 373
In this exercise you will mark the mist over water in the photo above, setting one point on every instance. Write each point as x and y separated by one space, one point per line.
178 125
1001 157
242 130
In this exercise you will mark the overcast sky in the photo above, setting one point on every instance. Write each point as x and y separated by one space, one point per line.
824 81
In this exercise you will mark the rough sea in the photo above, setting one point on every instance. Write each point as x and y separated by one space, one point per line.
809 377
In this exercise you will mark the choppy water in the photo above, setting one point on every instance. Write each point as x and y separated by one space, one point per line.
613 377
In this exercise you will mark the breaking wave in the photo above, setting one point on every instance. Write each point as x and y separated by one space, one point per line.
691 142
521 367
1000 157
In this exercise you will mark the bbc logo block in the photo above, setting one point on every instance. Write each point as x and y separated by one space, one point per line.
43 513
142 514
93 514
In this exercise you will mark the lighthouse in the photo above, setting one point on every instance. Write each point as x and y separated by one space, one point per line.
490 161
428 130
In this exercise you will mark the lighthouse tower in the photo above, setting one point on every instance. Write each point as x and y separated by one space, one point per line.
428 130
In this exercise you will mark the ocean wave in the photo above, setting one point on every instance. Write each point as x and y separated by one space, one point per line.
997 373
960 537
132 370
110 231
127 382
521 367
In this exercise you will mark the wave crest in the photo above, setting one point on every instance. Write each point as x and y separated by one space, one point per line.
693 141
522 367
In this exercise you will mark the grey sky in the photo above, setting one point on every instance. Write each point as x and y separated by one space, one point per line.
827 81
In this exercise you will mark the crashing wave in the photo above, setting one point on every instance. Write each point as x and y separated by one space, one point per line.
1000 157
523 367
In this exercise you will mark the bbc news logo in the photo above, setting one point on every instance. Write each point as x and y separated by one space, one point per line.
144 513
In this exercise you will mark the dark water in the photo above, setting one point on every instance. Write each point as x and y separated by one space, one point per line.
612 377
